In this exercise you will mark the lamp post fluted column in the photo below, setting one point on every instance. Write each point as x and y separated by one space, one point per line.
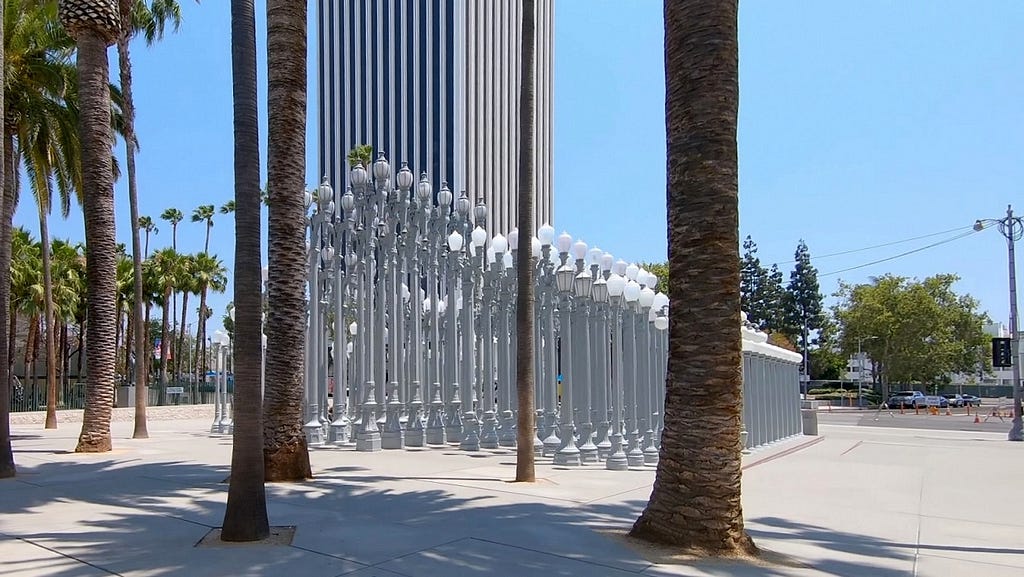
617 460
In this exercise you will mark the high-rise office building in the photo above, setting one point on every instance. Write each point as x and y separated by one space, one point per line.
435 83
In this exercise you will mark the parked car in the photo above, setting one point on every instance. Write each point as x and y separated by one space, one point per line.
955 400
970 400
907 399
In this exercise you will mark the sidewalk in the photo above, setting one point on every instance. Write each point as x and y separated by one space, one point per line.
859 501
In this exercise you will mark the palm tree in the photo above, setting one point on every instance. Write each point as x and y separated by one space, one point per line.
7 466
524 299
43 124
209 274
164 268
136 16
186 284
245 518
695 504
228 207
204 213
147 226
286 456
95 25
173 216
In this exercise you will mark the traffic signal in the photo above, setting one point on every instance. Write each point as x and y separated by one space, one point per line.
1002 353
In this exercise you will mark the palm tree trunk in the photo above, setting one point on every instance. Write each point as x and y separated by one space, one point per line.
30 345
181 339
164 349
201 368
695 505
51 356
12 331
245 518
100 242
286 456
525 471
124 60
7 466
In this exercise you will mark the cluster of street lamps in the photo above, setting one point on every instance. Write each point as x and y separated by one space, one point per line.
411 329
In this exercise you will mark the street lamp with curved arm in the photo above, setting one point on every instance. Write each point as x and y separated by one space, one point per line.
1012 228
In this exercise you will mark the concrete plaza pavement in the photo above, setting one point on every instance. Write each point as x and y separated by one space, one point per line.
872 501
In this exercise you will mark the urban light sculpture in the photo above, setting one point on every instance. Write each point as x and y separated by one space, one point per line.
411 305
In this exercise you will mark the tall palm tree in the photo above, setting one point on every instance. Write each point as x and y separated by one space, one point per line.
228 207
187 285
147 226
42 122
204 213
7 466
695 504
173 216
524 299
151 19
286 456
245 518
210 275
164 269
95 25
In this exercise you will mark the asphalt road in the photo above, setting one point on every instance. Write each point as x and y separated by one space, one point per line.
959 421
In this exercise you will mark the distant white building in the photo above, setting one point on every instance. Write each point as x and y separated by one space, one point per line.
859 367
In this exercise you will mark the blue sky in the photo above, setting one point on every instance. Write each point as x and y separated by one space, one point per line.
861 123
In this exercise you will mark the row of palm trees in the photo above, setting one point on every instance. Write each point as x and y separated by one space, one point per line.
60 115
165 274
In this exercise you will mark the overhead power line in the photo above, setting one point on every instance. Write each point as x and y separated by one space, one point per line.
883 245
903 254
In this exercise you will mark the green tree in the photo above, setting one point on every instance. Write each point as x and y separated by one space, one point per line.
696 502
42 120
210 275
150 19
245 517
165 265
147 226
923 331
204 213
753 282
187 284
95 25
826 357
228 207
660 270
803 308
361 154
773 295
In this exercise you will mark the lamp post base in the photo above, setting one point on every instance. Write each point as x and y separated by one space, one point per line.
338 432
507 435
1016 430
314 433
489 437
470 439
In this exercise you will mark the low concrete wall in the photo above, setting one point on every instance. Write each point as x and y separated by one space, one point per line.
121 414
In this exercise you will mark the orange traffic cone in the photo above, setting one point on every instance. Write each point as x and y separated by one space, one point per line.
976 419
948 412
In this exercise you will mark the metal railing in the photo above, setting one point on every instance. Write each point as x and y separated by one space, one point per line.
32 396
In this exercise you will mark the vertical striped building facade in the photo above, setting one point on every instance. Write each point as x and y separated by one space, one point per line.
435 83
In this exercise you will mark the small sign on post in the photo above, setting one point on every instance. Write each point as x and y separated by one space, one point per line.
175 390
